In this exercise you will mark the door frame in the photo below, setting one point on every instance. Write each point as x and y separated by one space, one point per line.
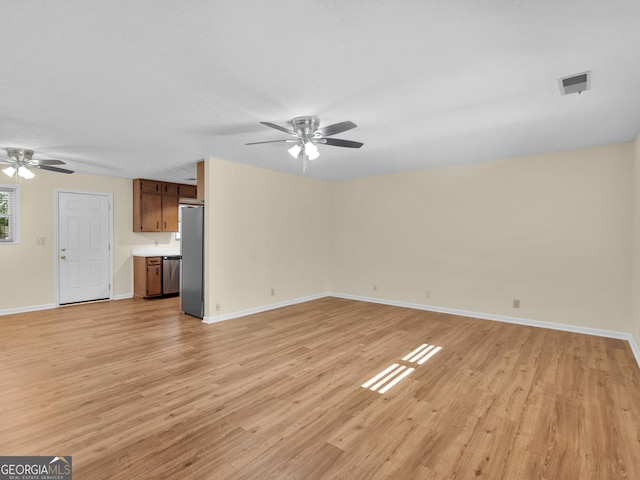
56 227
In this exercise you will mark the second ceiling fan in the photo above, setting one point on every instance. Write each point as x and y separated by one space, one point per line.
308 134
21 162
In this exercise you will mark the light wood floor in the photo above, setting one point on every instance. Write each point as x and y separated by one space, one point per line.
134 390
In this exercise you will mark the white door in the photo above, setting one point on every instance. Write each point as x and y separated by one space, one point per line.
83 247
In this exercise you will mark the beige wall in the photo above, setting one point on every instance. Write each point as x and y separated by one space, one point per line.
264 230
553 231
31 280
635 318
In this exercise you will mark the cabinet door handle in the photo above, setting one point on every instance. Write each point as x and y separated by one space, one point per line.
158 225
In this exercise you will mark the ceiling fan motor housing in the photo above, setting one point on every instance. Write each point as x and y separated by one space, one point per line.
20 154
305 125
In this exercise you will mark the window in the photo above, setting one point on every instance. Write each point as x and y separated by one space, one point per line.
9 214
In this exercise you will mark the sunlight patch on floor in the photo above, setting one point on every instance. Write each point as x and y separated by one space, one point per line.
392 375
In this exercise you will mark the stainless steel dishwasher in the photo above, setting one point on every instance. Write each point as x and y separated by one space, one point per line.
171 274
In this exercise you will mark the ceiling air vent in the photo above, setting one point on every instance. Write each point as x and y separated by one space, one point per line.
575 83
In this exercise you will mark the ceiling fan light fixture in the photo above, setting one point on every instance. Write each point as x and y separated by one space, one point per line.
9 171
295 150
25 173
311 151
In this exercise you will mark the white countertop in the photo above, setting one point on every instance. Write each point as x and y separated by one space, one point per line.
155 251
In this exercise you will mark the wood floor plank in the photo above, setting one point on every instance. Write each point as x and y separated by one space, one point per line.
133 389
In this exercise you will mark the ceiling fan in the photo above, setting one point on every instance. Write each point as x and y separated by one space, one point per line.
308 134
21 162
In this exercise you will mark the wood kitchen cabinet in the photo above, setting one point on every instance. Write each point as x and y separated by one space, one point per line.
147 277
187 191
156 204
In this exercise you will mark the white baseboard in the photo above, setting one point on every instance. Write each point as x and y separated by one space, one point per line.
503 318
489 316
35 308
262 308
122 296
30 308
634 348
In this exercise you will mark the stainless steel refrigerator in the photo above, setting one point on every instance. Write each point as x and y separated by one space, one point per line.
192 272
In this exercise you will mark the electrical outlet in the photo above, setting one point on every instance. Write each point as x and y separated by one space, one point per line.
217 307
427 293
41 241
273 292
516 303
375 288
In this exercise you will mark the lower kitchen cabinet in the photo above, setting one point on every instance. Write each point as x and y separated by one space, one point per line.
147 277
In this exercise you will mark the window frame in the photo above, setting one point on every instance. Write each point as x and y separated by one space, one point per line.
14 216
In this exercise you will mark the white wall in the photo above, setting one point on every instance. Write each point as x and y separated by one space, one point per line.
264 230
28 270
553 231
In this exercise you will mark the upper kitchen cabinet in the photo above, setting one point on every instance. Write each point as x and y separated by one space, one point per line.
155 205
187 191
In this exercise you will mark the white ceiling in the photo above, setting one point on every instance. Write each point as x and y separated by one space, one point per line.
145 88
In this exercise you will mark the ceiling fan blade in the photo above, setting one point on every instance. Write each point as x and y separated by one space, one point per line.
272 141
336 128
6 161
336 142
53 169
278 127
46 162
